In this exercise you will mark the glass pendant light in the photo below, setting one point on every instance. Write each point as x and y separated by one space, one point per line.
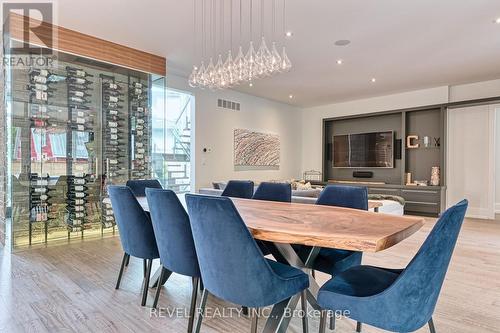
250 60
275 59
286 64
202 80
210 73
229 70
193 78
263 59
240 66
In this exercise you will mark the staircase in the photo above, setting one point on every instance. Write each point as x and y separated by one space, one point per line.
178 161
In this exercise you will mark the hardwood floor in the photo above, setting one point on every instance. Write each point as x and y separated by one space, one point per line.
70 288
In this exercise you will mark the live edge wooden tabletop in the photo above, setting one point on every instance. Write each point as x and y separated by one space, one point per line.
325 226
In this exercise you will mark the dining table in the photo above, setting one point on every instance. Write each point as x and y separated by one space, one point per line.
317 226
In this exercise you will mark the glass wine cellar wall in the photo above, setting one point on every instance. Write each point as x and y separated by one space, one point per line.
73 130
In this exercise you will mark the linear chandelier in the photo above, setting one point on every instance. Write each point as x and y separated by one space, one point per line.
245 67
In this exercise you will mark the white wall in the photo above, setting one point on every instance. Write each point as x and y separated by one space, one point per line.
214 130
312 117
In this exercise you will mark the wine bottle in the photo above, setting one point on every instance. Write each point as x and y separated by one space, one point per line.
77 215
75 202
111 86
77 72
112 105
140 150
80 128
79 93
41 95
78 99
112 99
78 80
38 79
39 86
79 87
137 85
138 108
139 133
113 112
38 72
78 106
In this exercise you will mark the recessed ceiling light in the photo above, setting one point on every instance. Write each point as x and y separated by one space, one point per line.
290 96
497 21
340 61
288 34
342 42
373 80
250 84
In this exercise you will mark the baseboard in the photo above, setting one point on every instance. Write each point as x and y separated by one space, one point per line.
497 208
479 213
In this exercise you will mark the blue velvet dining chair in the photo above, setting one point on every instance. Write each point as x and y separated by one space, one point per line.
274 192
397 300
136 232
175 241
239 189
139 186
229 258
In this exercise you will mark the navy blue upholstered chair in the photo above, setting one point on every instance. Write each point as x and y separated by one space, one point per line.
274 192
281 192
334 261
397 300
229 258
136 232
239 189
175 241
139 187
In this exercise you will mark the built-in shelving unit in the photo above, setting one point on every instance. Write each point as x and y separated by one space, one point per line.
421 122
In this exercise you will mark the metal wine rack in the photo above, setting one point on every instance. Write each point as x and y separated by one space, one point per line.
139 120
80 119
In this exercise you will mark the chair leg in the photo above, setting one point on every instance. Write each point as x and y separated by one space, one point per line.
124 260
359 326
244 310
255 318
432 328
127 262
201 313
303 304
158 287
322 322
149 264
332 322
313 273
144 266
192 307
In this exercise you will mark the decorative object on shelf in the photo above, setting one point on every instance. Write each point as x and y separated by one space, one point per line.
313 175
408 178
256 63
256 149
427 141
435 176
421 182
411 141
437 142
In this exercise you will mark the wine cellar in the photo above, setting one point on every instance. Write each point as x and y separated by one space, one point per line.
75 128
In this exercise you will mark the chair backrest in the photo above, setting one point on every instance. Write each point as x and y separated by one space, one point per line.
274 192
239 189
172 232
344 196
139 187
232 266
414 294
136 232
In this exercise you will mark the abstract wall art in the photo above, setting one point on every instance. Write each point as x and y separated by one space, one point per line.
256 149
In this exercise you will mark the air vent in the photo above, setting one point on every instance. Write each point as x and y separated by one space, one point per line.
222 103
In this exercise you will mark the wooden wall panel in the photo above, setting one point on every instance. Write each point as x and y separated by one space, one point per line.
74 42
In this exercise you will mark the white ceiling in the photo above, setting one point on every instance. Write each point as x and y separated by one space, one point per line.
404 44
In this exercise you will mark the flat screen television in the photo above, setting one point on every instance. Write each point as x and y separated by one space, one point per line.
364 150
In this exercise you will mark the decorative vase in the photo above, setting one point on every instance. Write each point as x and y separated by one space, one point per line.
435 176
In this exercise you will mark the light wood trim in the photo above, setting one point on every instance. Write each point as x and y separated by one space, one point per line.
77 43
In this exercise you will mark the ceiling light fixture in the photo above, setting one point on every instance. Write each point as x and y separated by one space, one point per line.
222 72
497 21
289 34
340 61
250 84
290 96
373 80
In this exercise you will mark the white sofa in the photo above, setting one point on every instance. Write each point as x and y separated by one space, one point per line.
310 197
